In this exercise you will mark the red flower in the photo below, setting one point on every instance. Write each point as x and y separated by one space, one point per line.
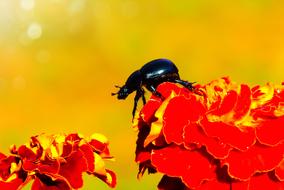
231 137
56 162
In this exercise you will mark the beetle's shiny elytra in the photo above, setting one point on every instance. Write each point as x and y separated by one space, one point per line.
150 76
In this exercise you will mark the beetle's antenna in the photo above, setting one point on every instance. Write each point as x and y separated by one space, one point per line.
116 86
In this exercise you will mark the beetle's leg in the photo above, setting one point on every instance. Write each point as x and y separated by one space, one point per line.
136 99
186 84
155 92
189 86
143 96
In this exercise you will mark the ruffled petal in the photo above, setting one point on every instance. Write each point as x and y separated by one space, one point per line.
265 181
179 113
73 168
271 132
193 134
173 159
50 182
243 165
239 138
279 171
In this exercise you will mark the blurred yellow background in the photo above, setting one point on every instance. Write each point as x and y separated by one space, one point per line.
60 60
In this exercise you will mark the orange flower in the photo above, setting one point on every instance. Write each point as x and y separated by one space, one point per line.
56 162
231 136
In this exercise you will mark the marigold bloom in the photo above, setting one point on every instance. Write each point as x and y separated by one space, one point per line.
230 137
56 162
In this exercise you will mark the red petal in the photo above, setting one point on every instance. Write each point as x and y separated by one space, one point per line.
12 185
2 156
50 182
167 88
67 150
227 103
240 139
72 170
48 166
223 185
142 157
171 183
191 166
193 134
279 171
271 132
265 182
100 147
242 165
5 165
26 153
179 112
73 138
149 109
89 156
243 102
109 179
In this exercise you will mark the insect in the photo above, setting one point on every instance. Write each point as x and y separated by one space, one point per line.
150 76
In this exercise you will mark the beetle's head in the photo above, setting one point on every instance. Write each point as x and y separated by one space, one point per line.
122 93
133 82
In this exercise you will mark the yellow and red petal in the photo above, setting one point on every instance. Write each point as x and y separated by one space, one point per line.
109 178
193 134
157 125
271 132
148 111
179 113
239 138
173 159
259 158
99 143
5 166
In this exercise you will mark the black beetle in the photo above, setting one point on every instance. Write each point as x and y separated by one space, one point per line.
150 75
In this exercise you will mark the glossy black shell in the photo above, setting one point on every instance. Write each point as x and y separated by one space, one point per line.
157 71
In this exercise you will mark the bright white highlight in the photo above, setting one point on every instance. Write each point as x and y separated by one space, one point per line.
34 31
27 4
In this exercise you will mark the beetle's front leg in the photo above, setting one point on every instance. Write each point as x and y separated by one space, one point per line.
142 92
136 99
155 92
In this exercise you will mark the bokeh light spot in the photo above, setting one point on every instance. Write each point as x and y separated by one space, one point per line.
34 31
27 4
